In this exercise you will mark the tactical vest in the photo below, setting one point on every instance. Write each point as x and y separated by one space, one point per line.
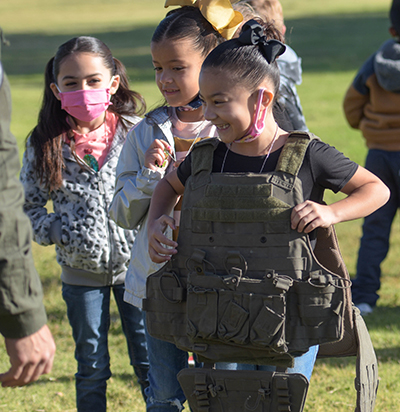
245 287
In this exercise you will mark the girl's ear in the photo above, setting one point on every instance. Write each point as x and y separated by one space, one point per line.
267 99
55 91
393 32
115 84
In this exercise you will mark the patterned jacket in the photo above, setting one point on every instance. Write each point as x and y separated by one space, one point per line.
91 249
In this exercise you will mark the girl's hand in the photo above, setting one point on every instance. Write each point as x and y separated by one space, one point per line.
156 156
158 251
309 215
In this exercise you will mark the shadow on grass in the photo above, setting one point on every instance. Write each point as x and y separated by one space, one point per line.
28 54
326 44
125 377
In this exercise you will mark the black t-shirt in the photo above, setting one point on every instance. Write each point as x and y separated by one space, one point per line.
324 167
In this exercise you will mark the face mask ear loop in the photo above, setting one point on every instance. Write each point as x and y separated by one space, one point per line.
259 124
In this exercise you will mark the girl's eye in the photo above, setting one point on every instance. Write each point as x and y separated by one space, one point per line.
157 69
178 68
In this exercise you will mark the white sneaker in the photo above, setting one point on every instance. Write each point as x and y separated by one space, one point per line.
365 308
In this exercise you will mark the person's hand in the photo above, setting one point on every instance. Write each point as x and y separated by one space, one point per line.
156 156
30 357
158 242
309 215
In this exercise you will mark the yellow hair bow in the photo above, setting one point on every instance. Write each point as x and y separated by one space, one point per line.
219 13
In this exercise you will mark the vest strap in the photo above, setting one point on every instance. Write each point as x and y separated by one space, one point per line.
293 152
367 380
202 165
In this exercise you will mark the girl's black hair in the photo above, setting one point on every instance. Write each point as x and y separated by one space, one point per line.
188 23
245 64
46 137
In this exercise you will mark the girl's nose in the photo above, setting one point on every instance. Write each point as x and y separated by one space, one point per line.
84 85
208 113
165 78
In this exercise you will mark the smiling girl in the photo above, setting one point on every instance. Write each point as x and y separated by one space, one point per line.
243 192
70 160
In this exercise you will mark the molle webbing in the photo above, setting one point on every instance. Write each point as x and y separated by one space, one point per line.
235 227
246 288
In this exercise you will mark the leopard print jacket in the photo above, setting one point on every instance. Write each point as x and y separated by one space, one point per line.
86 238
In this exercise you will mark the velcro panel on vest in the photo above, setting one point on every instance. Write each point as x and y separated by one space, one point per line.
218 205
293 152
202 165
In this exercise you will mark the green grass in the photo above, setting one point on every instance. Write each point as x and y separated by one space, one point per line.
333 39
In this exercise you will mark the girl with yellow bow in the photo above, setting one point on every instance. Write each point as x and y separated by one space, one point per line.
179 45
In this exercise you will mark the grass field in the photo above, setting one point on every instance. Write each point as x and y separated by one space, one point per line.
333 39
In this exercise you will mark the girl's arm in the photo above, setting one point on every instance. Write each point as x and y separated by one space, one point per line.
36 198
165 196
365 194
136 180
357 95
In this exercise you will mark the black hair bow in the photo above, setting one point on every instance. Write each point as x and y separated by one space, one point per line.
253 33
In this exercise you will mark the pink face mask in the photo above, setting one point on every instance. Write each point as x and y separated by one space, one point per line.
85 105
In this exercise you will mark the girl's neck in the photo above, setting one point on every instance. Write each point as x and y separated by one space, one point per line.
86 127
272 134
190 116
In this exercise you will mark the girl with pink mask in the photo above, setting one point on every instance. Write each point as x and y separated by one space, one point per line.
70 159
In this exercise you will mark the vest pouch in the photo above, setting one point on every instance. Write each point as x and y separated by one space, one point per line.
320 300
165 305
211 390
236 311
202 307
316 311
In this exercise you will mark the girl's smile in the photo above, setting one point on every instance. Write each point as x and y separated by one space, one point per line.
231 107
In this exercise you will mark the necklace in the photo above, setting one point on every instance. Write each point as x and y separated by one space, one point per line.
193 105
102 132
271 145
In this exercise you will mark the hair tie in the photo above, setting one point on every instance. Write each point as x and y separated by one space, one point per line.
219 13
253 34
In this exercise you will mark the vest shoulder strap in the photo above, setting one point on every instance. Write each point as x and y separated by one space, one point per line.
290 160
293 152
203 155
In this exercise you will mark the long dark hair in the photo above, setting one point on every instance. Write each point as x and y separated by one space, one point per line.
245 64
46 137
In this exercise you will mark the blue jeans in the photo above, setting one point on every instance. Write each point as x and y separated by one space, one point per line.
164 393
88 310
374 245
302 364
